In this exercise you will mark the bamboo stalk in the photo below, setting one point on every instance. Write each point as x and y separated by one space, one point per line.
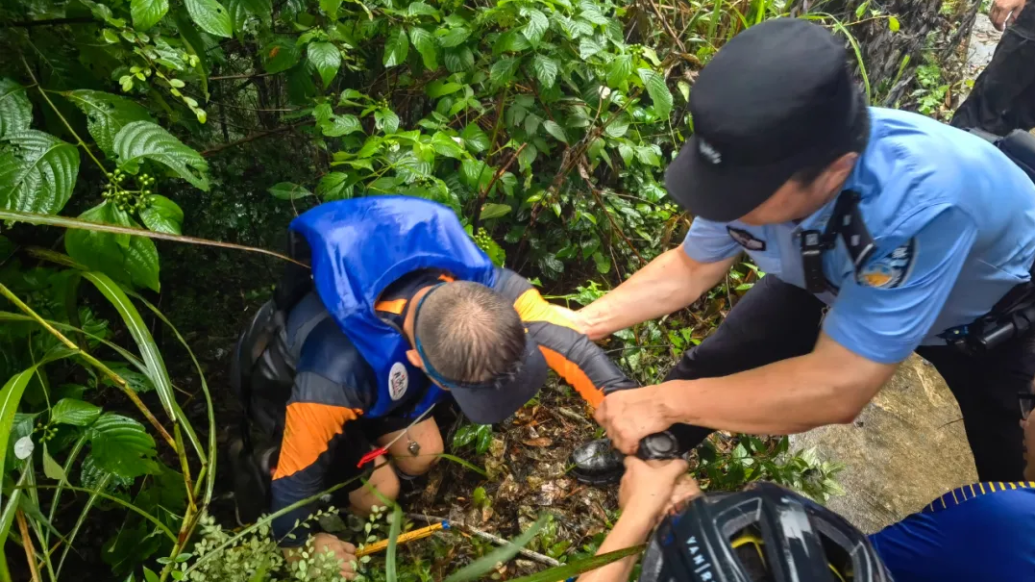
409 536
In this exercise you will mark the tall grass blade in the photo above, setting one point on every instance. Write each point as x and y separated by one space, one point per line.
393 543
487 563
464 463
566 571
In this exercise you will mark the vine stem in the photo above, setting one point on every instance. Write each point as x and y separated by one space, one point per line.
30 550
68 126
119 380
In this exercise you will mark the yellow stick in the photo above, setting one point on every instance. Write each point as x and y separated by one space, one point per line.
403 538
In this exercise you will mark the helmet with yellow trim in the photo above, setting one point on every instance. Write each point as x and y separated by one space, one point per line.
763 534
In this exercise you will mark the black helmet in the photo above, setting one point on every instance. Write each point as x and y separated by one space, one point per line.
763 534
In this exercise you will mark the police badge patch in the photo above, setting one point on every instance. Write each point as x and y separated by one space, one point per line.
746 239
892 270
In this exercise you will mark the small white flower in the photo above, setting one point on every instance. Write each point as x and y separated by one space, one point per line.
24 447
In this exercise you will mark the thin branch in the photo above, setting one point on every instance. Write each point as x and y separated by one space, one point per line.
495 177
584 172
667 26
485 536
254 137
30 550
247 76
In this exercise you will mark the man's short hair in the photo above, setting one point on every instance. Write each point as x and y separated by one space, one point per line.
470 333
860 139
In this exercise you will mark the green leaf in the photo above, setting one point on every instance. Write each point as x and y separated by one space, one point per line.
510 42
386 120
145 140
37 172
545 70
397 47
280 55
893 25
10 397
260 9
619 71
459 60
106 115
162 215
658 91
150 576
573 569
334 186
488 562
475 139
491 210
537 26
74 412
618 127
51 468
326 58
341 125
441 88
453 37
330 8
121 446
15 108
555 130
603 265
289 191
211 17
424 42
445 145
502 71
527 156
136 381
147 13
588 47
422 9
131 259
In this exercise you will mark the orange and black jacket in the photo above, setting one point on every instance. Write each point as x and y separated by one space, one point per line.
331 385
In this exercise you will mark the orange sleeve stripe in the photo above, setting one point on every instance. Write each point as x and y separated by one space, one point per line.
446 278
395 306
532 307
574 375
308 430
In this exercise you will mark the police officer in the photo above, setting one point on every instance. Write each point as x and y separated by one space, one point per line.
881 232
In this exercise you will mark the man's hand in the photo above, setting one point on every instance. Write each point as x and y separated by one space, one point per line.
1003 13
647 488
686 489
344 552
630 415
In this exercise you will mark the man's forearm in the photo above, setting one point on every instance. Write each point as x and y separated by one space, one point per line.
785 397
631 530
668 283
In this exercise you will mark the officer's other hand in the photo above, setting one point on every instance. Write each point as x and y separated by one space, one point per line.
686 488
344 552
630 415
1003 13
647 487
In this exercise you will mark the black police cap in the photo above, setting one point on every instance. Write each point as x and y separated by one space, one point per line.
776 99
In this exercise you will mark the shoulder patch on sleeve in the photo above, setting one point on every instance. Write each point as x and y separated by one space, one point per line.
746 239
892 270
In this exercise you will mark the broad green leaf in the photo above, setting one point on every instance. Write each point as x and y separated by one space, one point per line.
147 13
893 24
106 115
51 468
386 120
289 191
37 172
554 129
459 60
527 156
330 8
476 174
476 139
618 127
326 58
341 125
658 91
131 259
424 42
445 145
121 446
488 562
502 71
397 47
74 412
510 42
537 26
619 71
588 47
280 55
453 36
422 9
145 140
261 9
15 108
491 210
441 88
334 186
545 70
10 396
137 381
162 215
602 263
210 16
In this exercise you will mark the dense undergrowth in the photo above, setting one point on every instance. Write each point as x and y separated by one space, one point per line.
545 124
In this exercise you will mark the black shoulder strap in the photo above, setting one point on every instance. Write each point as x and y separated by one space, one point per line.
846 222
295 281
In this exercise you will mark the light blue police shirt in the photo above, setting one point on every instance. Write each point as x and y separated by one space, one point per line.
953 221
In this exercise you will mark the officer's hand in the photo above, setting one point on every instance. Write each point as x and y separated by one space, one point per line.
344 552
572 317
686 489
647 487
1003 13
630 415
